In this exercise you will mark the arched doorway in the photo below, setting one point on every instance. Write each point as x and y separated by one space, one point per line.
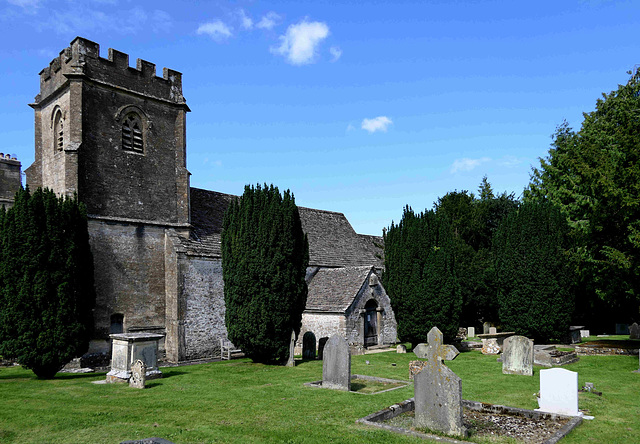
371 323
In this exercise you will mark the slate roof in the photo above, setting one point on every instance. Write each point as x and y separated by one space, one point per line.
332 240
334 289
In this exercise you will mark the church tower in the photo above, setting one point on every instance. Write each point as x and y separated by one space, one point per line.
115 135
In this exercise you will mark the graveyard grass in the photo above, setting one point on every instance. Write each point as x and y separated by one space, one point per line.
239 401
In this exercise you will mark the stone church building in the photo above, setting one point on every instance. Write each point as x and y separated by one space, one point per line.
116 135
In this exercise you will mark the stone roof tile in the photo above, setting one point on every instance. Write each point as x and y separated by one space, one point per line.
334 289
332 240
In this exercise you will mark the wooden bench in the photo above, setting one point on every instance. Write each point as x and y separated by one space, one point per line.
227 349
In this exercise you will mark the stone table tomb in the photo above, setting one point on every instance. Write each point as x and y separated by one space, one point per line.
127 348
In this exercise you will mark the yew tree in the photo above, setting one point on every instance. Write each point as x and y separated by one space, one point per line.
265 255
46 281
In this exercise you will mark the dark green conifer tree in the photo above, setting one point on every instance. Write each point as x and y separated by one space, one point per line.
46 281
265 255
533 272
420 277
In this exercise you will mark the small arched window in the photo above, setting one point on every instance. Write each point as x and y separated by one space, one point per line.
58 131
132 135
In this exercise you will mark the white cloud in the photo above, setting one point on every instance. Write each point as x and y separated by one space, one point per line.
336 53
216 29
510 161
247 22
28 5
380 123
467 164
300 43
268 21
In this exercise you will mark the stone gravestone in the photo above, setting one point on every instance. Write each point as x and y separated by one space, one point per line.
309 346
321 343
401 348
138 377
438 390
485 328
559 392
517 356
471 332
292 344
493 330
634 331
336 366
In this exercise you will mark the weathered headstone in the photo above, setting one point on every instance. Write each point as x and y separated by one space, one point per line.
292 344
309 345
401 348
559 392
517 356
321 344
471 332
438 390
485 328
585 333
138 377
634 331
336 366
493 330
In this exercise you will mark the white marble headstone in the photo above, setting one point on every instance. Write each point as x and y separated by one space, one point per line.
559 392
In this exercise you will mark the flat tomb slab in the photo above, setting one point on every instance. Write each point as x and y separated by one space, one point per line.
482 420
608 347
368 385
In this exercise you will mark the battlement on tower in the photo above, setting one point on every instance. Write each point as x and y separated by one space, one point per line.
82 60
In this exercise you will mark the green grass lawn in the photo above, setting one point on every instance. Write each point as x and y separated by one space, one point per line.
238 401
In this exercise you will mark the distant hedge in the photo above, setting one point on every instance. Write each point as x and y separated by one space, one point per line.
534 273
419 276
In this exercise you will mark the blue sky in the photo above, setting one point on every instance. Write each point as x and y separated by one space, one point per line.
357 107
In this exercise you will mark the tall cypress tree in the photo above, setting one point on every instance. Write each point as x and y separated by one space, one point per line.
46 281
533 272
265 255
420 276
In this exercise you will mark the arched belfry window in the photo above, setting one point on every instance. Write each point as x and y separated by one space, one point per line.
132 133
58 130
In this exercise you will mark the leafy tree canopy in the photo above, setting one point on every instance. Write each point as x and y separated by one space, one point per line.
593 175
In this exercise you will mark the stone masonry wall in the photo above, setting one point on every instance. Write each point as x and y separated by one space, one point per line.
321 325
355 319
203 291
129 275
10 179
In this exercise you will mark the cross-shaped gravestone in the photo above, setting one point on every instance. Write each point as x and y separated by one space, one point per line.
438 390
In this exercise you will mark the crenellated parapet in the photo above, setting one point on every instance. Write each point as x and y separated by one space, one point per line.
82 60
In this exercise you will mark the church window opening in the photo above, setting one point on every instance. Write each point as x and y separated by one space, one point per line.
58 131
117 324
132 137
